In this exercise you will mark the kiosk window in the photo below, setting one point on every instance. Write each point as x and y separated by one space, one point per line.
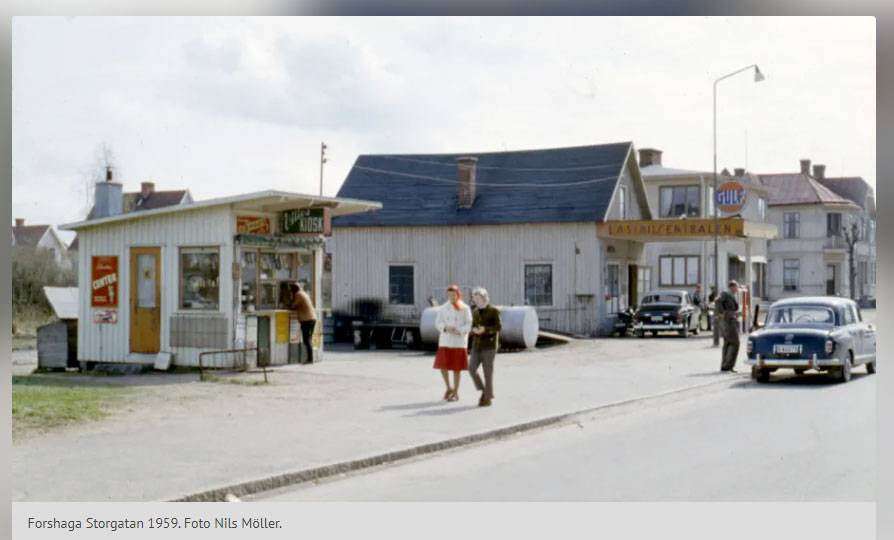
200 278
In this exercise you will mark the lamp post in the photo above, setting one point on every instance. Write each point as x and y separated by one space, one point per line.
758 77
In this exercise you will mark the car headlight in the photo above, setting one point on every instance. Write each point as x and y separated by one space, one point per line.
830 346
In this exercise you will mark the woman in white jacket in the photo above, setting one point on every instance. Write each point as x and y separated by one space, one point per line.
454 322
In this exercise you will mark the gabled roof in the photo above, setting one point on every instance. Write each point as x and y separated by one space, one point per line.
527 186
660 170
29 235
853 188
74 244
798 188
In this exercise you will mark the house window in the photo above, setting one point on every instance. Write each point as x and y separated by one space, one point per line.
833 224
200 278
400 285
539 284
791 225
678 270
761 209
676 201
622 199
791 274
265 277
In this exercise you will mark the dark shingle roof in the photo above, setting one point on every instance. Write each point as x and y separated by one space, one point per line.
797 188
134 202
529 186
29 235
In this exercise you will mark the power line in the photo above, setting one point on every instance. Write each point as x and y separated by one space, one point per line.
494 167
451 181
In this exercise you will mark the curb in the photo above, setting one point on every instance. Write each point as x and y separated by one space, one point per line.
251 487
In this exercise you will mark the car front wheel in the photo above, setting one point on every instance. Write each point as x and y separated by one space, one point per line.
843 373
870 367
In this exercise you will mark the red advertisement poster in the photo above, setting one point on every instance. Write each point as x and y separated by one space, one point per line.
104 280
253 224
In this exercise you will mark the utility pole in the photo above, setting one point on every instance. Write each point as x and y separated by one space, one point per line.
322 162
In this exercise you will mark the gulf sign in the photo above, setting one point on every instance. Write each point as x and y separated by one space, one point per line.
731 197
104 281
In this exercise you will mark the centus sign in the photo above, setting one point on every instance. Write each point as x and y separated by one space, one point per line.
731 197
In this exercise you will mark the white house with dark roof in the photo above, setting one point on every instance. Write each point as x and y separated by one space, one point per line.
40 237
811 257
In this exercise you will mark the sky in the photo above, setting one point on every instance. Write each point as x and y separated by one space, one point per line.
223 106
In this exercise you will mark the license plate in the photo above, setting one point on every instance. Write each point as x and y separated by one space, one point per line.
657 319
787 349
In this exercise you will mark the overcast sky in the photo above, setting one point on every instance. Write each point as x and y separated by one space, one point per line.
232 105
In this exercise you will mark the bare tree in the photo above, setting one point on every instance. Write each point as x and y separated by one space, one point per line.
851 237
103 158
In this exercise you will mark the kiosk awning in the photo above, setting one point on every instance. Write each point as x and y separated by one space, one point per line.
670 230
271 240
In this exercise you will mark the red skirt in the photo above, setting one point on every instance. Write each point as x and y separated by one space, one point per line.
452 359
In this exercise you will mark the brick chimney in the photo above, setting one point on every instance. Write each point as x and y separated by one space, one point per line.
20 222
649 156
805 166
739 171
146 189
465 175
819 171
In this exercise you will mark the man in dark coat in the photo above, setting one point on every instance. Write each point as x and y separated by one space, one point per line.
727 310
486 328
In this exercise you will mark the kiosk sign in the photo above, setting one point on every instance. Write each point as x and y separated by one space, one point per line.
305 221
104 280
731 197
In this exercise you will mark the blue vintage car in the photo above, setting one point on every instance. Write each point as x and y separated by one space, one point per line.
820 333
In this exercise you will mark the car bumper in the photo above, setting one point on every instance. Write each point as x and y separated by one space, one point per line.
660 326
805 363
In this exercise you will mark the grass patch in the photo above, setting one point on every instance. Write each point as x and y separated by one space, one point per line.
41 403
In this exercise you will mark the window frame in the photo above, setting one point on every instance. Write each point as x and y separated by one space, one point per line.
622 201
687 212
786 225
797 286
210 249
830 233
551 266
686 260
412 284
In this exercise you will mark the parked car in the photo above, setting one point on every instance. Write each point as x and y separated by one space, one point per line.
663 311
624 322
821 333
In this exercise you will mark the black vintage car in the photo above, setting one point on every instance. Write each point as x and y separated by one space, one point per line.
667 311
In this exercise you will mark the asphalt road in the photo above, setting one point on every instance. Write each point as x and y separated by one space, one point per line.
794 439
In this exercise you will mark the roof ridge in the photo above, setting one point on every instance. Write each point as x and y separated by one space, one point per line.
519 151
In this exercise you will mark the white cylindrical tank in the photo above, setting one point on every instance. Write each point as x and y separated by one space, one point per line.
520 326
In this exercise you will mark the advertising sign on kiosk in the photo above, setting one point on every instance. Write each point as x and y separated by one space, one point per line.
731 197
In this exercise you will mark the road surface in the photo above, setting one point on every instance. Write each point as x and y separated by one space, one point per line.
794 439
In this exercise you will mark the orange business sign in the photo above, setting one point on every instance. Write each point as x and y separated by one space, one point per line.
253 224
681 228
104 280
731 197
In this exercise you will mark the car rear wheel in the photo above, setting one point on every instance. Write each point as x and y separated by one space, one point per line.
870 367
760 375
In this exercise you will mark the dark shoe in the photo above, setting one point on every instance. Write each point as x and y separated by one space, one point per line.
484 402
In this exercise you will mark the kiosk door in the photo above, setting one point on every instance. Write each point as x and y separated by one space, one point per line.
145 300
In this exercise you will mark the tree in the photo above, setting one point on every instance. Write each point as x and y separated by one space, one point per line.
851 237
103 158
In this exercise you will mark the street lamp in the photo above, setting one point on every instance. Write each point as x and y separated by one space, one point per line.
758 77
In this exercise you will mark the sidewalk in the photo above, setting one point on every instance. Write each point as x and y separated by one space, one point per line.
186 437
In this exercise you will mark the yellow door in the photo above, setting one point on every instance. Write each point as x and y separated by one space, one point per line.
145 300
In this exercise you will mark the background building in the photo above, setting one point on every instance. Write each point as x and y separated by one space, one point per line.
40 237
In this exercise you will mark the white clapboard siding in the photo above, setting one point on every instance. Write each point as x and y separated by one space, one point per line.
202 227
492 256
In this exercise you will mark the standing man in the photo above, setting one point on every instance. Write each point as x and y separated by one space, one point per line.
485 339
697 302
712 296
727 312
307 317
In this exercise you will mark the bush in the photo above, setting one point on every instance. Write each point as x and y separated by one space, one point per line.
32 270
